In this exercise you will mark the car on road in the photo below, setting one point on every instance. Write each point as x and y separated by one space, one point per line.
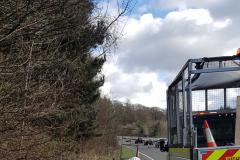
139 140
148 142
157 144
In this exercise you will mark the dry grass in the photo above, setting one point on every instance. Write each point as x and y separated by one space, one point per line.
96 149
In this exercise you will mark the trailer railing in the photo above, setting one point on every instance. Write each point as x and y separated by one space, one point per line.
206 84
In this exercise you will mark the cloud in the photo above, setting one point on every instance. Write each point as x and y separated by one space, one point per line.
163 45
218 8
199 16
154 49
141 88
185 4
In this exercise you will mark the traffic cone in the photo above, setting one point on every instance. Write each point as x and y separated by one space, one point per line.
210 140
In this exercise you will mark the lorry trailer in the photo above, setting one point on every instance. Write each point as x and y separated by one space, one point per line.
205 89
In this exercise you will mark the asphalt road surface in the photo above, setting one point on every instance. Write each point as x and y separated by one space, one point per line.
149 152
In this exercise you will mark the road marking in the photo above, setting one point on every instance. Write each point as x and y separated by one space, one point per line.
146 156
140 153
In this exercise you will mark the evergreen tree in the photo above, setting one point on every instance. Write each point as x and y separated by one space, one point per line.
49 75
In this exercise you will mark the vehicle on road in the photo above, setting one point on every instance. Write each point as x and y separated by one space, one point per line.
205 90
163 145
139 140
148 142
157 143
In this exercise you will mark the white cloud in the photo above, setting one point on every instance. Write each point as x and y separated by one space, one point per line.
222 24
200 16
156 96
135 27
185 4
155 44
218 8
141 88
154 49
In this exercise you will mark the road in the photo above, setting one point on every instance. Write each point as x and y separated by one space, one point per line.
149 153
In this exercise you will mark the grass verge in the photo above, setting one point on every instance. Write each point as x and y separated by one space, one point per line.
127 153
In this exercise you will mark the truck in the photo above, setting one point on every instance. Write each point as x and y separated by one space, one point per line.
205 89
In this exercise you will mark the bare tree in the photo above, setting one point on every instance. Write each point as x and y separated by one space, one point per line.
49 78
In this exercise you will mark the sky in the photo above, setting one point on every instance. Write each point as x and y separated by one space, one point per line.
158 37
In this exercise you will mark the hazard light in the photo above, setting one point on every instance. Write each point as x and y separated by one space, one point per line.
202 113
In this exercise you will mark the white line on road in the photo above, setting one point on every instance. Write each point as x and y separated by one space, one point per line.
146 156
140 153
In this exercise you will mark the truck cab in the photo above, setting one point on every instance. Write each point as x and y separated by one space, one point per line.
204 89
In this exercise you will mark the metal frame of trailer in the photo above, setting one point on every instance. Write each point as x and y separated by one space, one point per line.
181 130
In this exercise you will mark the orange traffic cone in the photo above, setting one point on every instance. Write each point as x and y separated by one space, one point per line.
210 140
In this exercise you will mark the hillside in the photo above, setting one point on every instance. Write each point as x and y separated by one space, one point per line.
131 119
